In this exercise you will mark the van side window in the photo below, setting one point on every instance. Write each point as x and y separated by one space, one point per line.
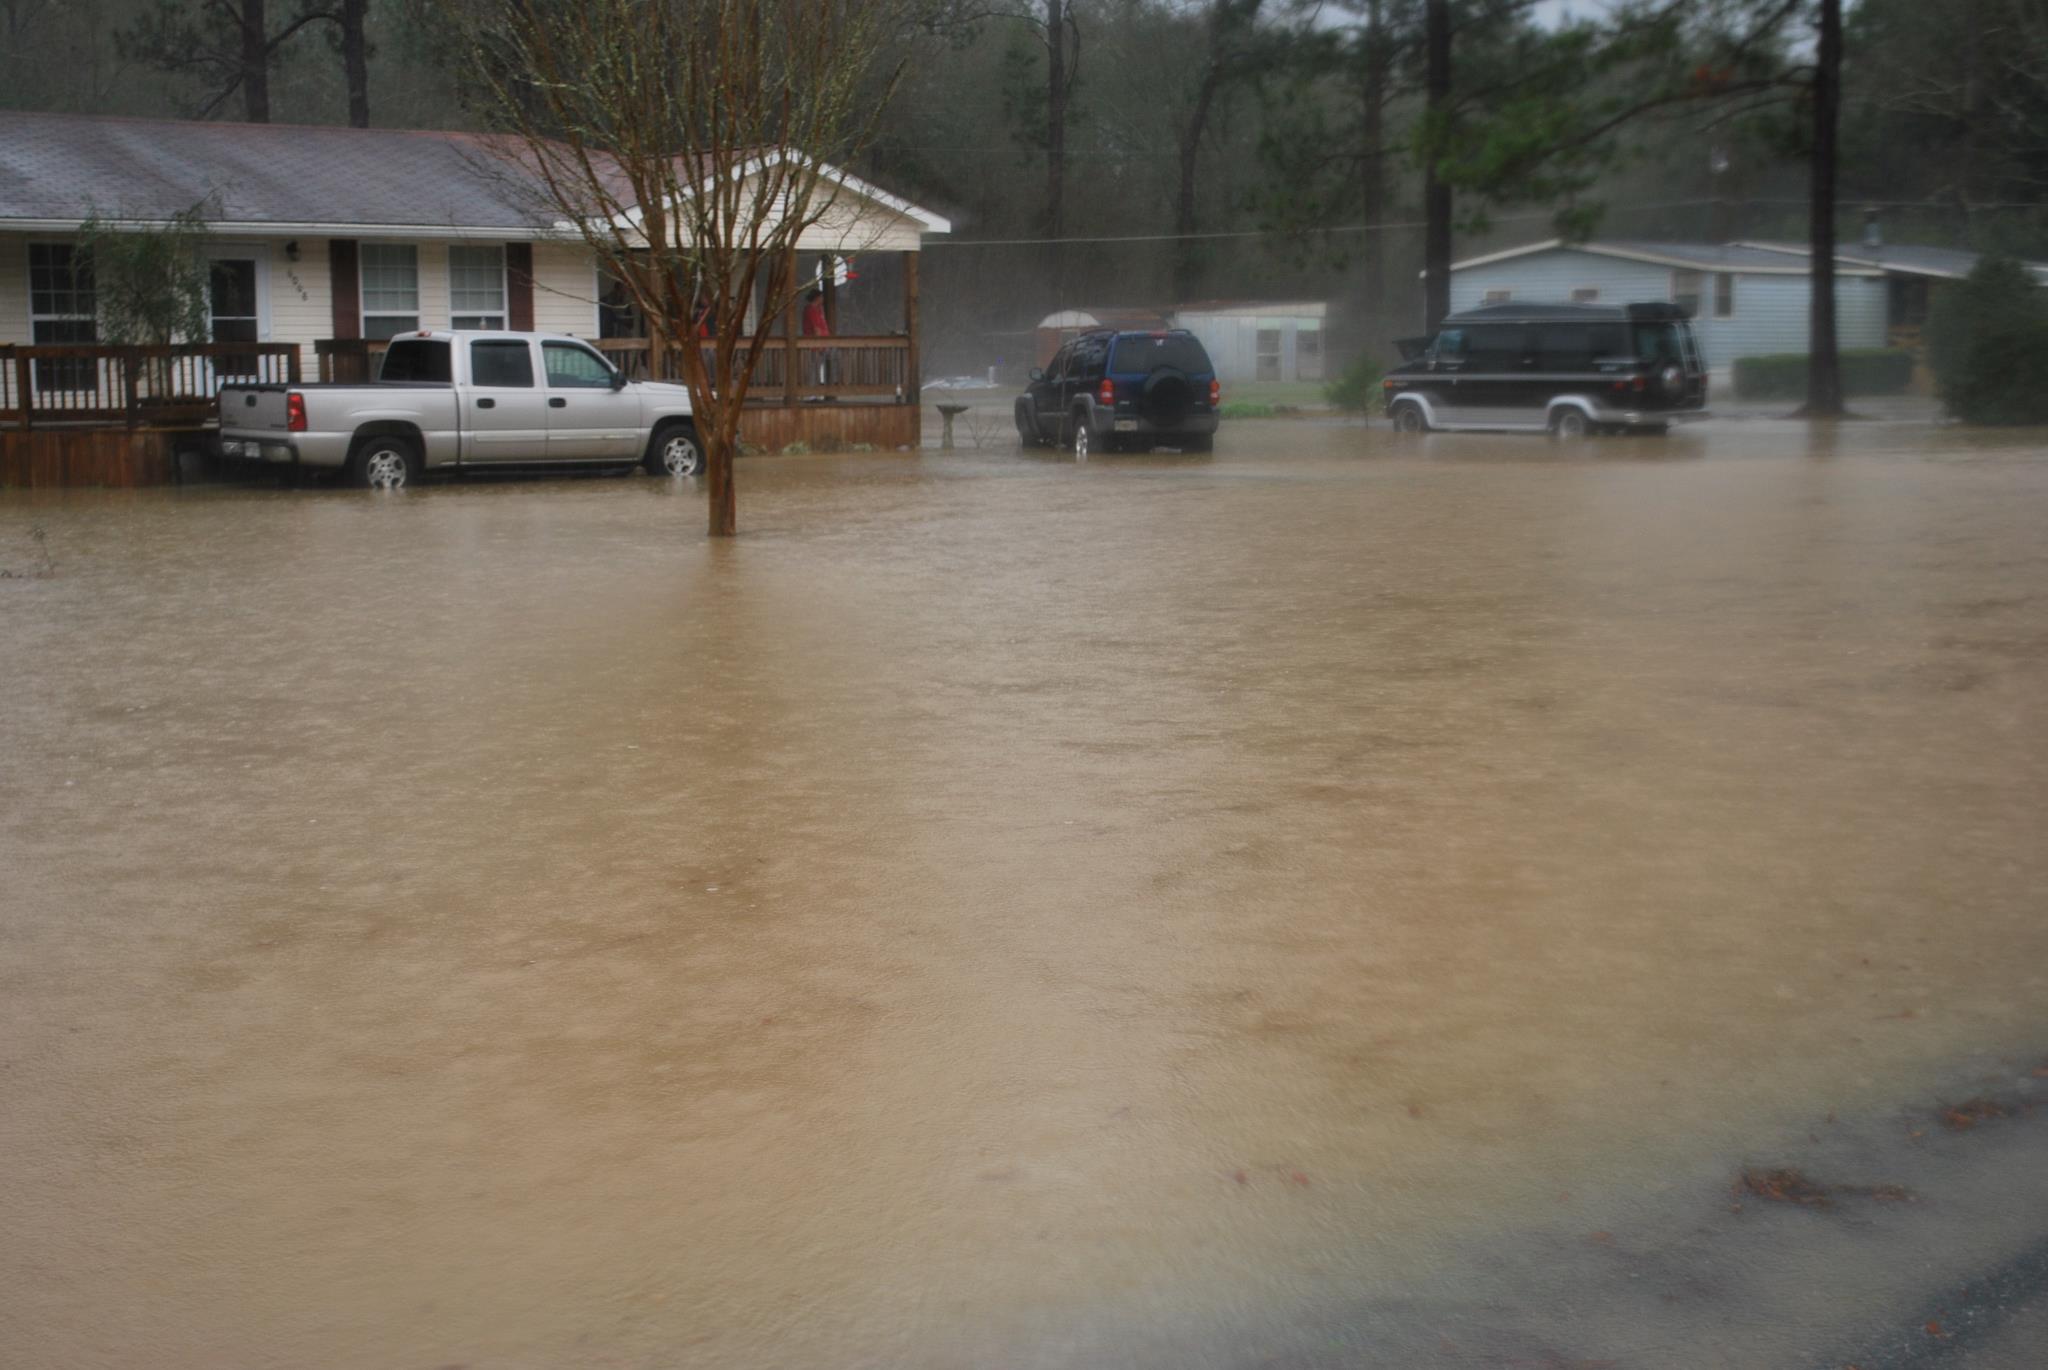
1568 346
501 363
1495 347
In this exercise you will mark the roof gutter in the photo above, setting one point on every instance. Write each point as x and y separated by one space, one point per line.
268 229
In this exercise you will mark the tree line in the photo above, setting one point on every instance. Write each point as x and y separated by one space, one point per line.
1317 132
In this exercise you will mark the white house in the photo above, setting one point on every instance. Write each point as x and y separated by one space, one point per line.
336 238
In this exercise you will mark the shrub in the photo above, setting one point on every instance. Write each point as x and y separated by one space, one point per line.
1357 391
1988 345
1865 371
1246 409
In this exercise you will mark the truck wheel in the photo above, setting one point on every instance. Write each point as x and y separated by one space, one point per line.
384 462
675 452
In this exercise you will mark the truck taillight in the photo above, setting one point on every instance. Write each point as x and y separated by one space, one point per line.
1215 393
1105 393
295 411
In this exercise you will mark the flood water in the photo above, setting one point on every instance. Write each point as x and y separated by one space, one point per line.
1160 912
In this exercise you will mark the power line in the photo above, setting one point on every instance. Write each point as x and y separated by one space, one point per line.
1277 232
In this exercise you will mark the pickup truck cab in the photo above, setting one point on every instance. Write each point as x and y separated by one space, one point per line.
465 400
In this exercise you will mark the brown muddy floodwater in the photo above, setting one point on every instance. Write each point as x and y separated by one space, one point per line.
999 912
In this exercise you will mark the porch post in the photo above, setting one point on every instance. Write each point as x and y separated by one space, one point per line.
789 322
830 271
912 383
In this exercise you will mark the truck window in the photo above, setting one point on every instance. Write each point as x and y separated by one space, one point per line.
500 362
575 368
417 359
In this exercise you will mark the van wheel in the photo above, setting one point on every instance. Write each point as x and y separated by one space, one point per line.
1408 419
384 462
1568 426
674 451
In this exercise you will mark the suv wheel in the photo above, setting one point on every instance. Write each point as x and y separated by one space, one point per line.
1083 437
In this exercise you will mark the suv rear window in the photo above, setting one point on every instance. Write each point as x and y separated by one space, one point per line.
416 359
1140 354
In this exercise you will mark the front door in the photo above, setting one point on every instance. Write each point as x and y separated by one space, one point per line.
235 286
507 415
588 420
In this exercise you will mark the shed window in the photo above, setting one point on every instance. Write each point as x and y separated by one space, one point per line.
1724 295
1685 291
476 287
62 309
391 289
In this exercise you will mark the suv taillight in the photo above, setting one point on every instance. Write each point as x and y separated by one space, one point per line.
295 411
1215 393
1105 393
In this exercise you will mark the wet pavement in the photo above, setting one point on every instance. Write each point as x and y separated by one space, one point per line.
1341 902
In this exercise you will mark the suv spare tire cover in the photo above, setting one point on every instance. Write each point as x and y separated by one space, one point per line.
1670 381
1167 396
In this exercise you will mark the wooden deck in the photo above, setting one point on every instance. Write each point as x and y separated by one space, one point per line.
90 415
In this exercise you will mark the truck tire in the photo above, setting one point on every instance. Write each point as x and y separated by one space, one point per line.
674 451
383 461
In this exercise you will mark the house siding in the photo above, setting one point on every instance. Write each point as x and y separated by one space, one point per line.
564 289
1770 310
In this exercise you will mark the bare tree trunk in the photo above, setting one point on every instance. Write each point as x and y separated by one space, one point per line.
355 61
1373 170
1187 260
1436 193
255 63
1824 359
1055 118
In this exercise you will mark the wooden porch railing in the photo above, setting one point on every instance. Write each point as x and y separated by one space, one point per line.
351 361
133 386
836 368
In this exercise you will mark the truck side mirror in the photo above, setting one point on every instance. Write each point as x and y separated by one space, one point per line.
618 380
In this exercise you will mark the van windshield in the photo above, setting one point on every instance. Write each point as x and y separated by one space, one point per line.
1141 354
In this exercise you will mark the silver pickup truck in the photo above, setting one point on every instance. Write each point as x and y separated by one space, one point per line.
460 400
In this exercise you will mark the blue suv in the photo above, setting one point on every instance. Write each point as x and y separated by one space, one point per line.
1123 392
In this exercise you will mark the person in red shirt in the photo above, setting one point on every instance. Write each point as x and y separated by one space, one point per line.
816 325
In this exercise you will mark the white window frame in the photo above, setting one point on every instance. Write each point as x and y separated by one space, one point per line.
363 314
1699 295
61 374
1722 278
504 312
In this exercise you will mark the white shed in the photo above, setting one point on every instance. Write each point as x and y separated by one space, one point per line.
1259 340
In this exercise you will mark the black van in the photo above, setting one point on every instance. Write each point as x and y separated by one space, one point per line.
1568 369
1122 392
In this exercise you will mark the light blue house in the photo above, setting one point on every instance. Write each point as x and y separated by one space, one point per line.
1745 300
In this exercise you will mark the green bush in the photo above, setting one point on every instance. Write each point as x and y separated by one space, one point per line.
1987 342
1865 371
1246 409
1357 391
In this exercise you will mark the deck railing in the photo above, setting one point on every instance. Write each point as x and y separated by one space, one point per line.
827 368
133 386
351 361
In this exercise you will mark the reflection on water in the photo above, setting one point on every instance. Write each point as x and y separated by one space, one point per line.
997 912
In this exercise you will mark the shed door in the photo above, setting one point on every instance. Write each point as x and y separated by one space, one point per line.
1269 354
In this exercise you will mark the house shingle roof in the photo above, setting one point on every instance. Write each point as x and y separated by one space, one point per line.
60 167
